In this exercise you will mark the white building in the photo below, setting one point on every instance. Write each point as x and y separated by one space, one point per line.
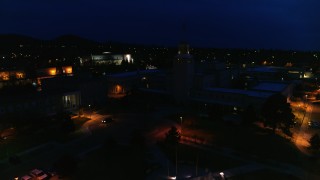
110 58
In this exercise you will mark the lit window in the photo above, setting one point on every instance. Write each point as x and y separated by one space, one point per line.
19 75
52 71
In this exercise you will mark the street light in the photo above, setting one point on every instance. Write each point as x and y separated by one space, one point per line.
306 101
222 175
3 140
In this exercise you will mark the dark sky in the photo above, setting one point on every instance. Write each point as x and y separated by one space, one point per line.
269 24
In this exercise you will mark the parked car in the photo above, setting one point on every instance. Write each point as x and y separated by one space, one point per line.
314 124
50 172
107 120
14 159
38 174
26 177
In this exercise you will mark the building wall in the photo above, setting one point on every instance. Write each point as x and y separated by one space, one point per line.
45 104
183 74
231 100
111 58
71 100
120 87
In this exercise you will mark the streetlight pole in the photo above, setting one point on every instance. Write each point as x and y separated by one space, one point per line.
168 167
304 115
5 144
181 124
306 109
306 100
90 110
177 148
177 160
197 160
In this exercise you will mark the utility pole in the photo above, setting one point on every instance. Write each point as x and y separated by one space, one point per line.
197 160
176 159
168 167
181 124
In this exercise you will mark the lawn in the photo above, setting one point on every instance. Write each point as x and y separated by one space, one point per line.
252 141
32 137
119 162
205 158
79 121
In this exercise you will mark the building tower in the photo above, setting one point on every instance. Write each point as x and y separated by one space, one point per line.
183 72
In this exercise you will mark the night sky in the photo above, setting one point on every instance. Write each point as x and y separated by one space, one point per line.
267 24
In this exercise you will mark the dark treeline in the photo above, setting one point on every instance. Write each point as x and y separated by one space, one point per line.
21 50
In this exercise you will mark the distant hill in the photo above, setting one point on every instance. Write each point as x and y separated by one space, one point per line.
70 39
10 41
16 40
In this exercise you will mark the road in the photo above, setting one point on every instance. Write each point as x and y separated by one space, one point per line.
306 112
94 133
302 136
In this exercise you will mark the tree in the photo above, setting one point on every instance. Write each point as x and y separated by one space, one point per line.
66 123
172 136
249 115
66 165
315 142
287 118
68 126
137 140
110 143
298 91
278 113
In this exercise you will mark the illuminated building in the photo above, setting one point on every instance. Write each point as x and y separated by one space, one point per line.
67 69
199 83
109 58
12 75
13 78
54 71
46 103
119 85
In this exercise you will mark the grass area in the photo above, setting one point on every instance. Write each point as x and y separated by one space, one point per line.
119 162
206 159
25 140
248 140
264 174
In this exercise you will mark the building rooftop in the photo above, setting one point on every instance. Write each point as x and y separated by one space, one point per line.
241 91
157 91
268 86
133 73
265 69
208 100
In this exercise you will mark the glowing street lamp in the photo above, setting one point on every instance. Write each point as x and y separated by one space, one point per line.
222 175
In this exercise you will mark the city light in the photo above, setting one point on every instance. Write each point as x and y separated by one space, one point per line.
52 71
222 175
172 177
